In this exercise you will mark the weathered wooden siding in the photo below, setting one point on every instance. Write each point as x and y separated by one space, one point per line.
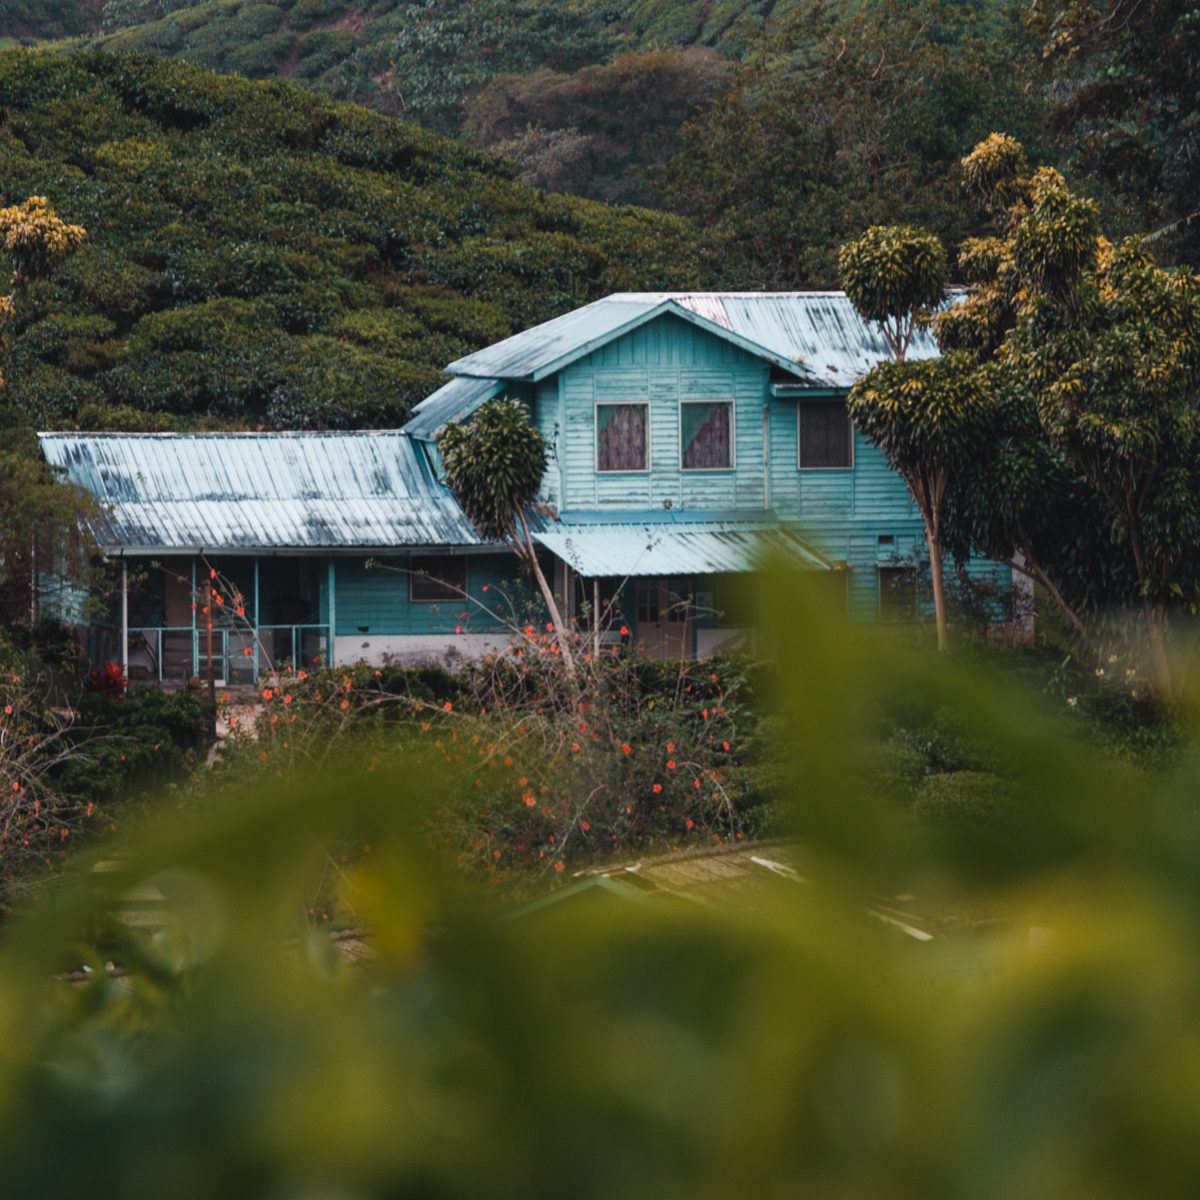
664 362
845 512
377 601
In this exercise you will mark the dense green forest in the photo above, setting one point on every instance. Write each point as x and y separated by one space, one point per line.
785 125
258 254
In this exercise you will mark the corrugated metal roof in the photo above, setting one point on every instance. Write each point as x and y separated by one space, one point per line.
822 330
546 348
519 356
453 401
816 335
260 491
704 548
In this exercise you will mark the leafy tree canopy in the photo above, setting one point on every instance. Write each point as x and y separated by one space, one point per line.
842 118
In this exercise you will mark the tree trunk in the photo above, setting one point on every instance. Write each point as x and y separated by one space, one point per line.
544 587
934 542
1034 571
1160 663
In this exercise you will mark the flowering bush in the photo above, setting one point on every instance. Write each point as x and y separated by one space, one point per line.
540 773
107 680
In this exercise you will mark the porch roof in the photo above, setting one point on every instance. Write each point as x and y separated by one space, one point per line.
244 492
673 548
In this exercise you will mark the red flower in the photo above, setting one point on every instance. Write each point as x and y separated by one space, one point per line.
624 630
691 824
725 746
585 827
559 867
670 764
657 788
626 747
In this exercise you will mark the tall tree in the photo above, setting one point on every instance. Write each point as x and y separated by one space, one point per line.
33 508
494 464
928 418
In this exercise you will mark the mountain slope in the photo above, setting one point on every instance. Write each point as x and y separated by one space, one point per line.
261 255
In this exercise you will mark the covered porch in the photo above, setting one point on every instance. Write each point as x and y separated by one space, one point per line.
226 617
678 586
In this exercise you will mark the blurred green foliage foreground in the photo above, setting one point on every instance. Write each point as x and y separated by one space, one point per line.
665 1049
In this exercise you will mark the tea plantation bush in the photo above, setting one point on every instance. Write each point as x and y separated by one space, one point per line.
258 255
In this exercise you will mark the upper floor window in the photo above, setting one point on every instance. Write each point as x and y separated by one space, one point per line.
434 577
826 437
621 443
706 435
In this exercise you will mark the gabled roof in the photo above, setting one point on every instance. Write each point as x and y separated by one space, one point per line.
815 336
547 348
260 491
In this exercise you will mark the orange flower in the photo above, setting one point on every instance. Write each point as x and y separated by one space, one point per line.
262 757
529 798
670 764
585 827
657 788
725 746
626 747
302 675
345 704
574 747
266 693
8 710
559 867
447 706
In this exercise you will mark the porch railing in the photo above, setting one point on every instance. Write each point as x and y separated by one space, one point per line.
175 653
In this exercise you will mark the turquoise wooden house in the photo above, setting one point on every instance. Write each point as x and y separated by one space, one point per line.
686 431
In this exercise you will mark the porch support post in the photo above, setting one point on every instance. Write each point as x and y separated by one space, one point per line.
124 618
254 628
596 618
332 607
195 630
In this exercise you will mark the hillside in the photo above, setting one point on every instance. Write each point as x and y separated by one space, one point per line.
420 57
262 255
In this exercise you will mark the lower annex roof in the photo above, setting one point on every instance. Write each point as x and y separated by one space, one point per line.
188 492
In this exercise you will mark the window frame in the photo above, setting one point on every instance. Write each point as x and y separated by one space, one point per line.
597 405
731 403
849 466
415 574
